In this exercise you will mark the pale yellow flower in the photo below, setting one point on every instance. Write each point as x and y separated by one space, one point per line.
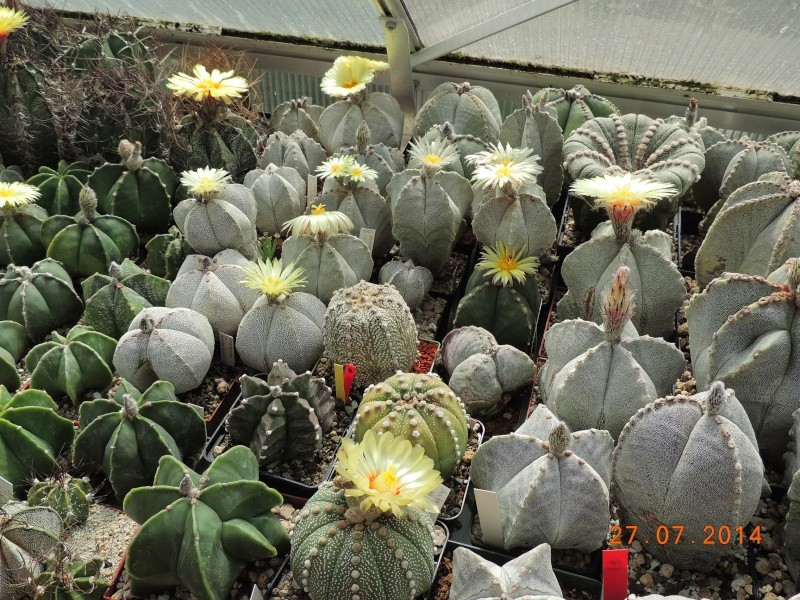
16 194
11 20
505 265
350 75
360 173
271 278
388 473
319 221
336 166
432 154
500 166
220 86
203 182
622 190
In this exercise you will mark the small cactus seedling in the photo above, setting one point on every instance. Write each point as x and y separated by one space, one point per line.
69 496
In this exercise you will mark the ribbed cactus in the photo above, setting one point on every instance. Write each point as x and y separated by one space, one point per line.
441 136
420 408
526 577
227 143
88 243
170 344
113 300
137 189
214 288
70 497
697 127
20 224
600 375
67 579
108 50
412 282
471 109
483 373
371 326
295 115
295 150
61 187
32 435
41 298
688 461
72 364
573 107
13 345
791 479
646 148
166 253
200 531
790 142
385 161
280 194
10 174
552 485
283 418
283 324
124 438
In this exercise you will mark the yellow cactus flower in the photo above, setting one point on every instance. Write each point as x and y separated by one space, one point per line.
505 265
336 166
387 473
204 182
432 154
350 75
11 19
271 278
203 85
16 194
360 173
319 221
501 166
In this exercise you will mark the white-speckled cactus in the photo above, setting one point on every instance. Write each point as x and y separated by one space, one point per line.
697 127
295 150
790 142
412 282
382 159
600 375
280 194
296 115
371 326
214 288
168 344
471 110
691 462
552 485
573 107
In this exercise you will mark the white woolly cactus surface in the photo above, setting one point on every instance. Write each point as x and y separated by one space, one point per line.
280 195
691 462
168 344
371 326
295 150
413 282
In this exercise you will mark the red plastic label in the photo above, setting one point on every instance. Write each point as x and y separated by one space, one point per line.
615 574
349 374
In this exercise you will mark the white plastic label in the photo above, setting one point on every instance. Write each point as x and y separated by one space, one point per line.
367 236
489 514
311 189
256 594
227 349
6 491
439 497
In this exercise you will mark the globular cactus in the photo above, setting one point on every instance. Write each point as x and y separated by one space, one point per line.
646 148
411 281
654 279
573 107
125 437
108 50
382 159
88 243
280 194
755 230
552 485
137 189
367 534
70 497
296 115
166 253
41 298
420 408
169 344
526 577
214 288
183 514
283 324
471 109
67 579
10 174
371 326
790 142
20 224
27 535
693 462
483 373
502 296
72 364
113 300
61 187
13 345
32 435
600 375
533 127
219 215
283 418
295 150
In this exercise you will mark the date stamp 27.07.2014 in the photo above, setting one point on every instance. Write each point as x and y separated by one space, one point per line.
674 534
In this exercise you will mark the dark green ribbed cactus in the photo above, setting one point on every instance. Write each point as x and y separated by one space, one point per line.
296 150
41 298
60 188
66 579
283 418
32 435
70 497
199 531
228 142
296 115
20 225
137 189
72 364
166 253
124 438
10 174
572 108
108 50
13 345
88 243
472 110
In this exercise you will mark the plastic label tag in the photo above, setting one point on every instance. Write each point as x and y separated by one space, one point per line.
343 377
367 236
311 189
489 514
6 491
256 594
615 574
227 350
439 497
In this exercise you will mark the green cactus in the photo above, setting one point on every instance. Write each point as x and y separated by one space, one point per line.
572 108
32 435
72 364
789 141
166 253
60 188
283 418
225 142
13 345
20 228
109 50
696 127
136 189
412 282
169 344
66 579
200 531
296 150
420 408
295 115
68 496
41 298
125 437
689 460
339 122
472 110
371 326
10 174
280 194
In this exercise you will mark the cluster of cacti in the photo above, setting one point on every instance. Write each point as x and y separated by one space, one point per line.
199 531
283 418
166 253
411 281
552 485
125 437
573 107
384 160
13 346
295 150
691 461
60 188
483 373
421 408
370 326
297 115
68 496
280 194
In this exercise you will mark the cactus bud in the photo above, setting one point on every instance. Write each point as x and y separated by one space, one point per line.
464 87
362 137
130 409
115 272
134 161
559 439
187 485
88 203
691 113
716 398
125 150
617 308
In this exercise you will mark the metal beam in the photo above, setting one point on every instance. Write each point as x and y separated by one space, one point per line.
398 10
507 20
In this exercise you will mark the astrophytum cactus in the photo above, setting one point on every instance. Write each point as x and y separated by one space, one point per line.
280 194
790 142
471 109
296 115
697 127
61 187
701 448
573 107
166 253
70 497
20 224
295 150
412 282
791 479
382 159
13 345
